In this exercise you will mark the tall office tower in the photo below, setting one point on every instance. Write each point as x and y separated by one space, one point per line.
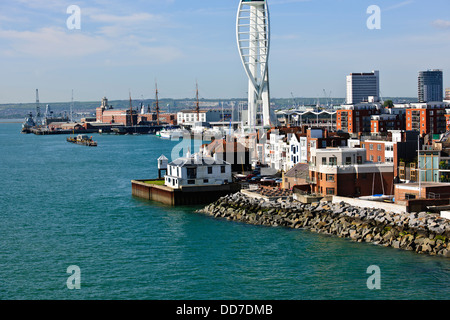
361 86
253 38
431 86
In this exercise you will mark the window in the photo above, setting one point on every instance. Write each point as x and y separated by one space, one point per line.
330 177
379 147
222 169
330 191
370 146
191 181
371 158
205 180
209 170
333 161
379 158
191 173
324 161
359 160
348 160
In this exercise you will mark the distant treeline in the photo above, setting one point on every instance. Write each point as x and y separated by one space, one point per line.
20 110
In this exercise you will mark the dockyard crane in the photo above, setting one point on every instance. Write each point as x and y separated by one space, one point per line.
328 98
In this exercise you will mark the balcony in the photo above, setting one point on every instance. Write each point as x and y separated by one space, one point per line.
311 180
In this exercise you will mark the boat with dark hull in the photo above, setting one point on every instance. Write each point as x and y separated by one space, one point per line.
82 139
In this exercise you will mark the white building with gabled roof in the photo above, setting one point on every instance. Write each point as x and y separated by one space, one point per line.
197 170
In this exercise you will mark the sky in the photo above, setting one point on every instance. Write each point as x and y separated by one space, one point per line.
124 47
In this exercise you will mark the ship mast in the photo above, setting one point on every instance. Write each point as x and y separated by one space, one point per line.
197 108
71 109
131 111
157 104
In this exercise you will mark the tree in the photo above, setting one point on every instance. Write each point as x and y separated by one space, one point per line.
389 103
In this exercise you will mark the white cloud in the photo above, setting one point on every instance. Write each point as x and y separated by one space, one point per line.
399 5
441 24
129 19
53 43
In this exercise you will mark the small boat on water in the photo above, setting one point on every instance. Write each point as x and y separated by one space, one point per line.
82 139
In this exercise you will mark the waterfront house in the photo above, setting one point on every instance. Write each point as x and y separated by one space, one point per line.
232 152
297 176
197 170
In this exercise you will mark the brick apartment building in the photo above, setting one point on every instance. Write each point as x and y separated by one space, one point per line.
344 172
382 123
427 117
356 118
379 150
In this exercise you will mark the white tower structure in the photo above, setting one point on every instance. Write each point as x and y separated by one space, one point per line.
253 37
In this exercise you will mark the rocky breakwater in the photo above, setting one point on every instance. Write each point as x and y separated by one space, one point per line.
419 232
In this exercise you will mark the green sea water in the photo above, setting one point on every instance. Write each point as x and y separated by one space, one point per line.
63 204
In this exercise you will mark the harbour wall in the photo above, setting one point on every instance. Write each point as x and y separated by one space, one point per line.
417 232
187 195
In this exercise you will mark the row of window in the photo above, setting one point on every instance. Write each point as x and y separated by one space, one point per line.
191 172
191 181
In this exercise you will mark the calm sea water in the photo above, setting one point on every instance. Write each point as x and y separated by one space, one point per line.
63 204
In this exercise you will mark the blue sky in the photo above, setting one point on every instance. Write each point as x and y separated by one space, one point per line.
125 46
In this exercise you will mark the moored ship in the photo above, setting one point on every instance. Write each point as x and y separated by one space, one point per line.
28 124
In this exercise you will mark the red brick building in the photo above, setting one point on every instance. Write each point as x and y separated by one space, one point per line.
382 123
379 151
344 172
127 117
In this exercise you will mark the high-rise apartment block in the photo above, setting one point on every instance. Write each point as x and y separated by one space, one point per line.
430 86
362 86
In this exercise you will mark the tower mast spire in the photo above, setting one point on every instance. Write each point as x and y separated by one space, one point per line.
253 38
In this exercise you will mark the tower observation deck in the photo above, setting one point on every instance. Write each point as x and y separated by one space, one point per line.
253 38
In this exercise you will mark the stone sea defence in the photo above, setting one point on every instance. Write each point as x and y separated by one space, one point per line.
419 232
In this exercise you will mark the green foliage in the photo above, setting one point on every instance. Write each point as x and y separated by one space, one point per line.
440 237
388 103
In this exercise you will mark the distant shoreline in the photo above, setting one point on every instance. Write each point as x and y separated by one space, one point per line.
11 121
